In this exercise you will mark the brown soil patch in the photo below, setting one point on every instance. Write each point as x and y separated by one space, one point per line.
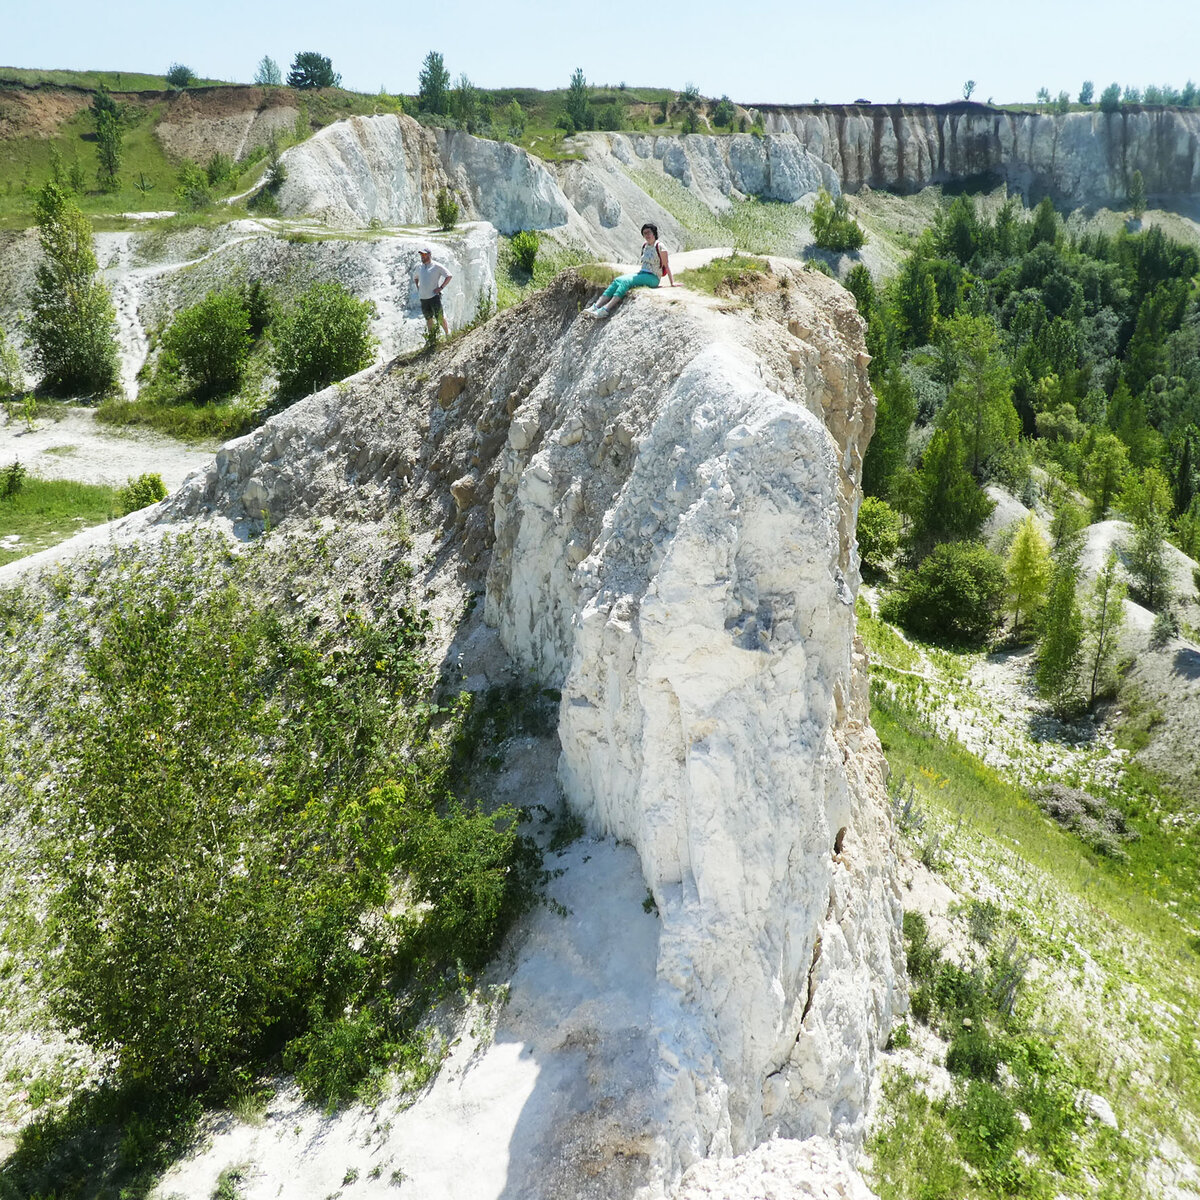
29 113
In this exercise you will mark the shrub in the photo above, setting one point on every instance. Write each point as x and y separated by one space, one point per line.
878 531
525 249
957 593
322 336
723 112
972 1052
211 342
179 76
447 209
12 378
12 480
833 227
242 788
220 170
192 191
141 492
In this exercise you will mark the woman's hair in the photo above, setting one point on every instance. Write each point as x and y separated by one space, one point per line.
653 229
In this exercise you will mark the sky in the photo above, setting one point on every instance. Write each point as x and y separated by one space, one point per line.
764 52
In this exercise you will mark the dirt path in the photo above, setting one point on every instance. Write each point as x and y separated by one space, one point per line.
76 446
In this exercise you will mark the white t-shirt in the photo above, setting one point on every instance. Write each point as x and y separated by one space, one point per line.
429 278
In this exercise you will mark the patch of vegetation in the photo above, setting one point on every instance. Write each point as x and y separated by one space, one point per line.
212 422
728 276
43 512
322 336
515 281
253 790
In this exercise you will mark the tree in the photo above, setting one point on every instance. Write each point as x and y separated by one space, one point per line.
464 102
514 116
268 73
211 342
324 335
1043 95
980 398
179 76
1146 501
1103 470
916 300
1110 98
1045 225
312 70
895 410
433 85
947 504
72 324
1137 194
957 593
878 531
1087 93
447 209
1058 656
833 227
1027 570
1103 619
577 105
968 88
723 113
861 286
109 119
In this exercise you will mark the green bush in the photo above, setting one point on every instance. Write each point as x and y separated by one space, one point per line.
220 170
234 790
12 480
525 249
957 593
322 336
973 1052
211 342
141 492
192 191
447 209
12 378
179 76
833 227
878 531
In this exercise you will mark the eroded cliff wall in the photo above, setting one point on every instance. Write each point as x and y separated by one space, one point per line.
1077 158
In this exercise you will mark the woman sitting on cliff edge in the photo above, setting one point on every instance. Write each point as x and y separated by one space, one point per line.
655 264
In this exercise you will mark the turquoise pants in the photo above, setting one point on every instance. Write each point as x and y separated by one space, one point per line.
623 283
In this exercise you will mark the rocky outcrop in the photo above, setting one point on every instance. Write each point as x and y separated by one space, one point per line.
1077 158
663 509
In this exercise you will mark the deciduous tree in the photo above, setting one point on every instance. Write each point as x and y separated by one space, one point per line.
1103 620
1027 571
1060 649
268 73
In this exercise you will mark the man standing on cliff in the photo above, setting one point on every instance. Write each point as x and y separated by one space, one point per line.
431 278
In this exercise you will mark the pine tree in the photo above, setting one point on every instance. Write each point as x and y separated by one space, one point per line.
1137 194
1059 652
72 324
433 84
1027 570
1103 620
578 107
948 505
981 395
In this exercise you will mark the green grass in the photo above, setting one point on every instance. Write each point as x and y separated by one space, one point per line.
115 81
513 284
47 511
215 421
723 275
1083 916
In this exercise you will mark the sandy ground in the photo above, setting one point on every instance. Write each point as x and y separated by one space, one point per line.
73 445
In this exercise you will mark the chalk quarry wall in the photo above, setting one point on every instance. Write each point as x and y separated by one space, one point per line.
1080 157
663 508
389 169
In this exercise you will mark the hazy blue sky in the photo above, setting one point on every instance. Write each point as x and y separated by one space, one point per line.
765 51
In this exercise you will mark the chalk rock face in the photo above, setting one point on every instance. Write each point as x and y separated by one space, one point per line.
682 572
663 508
1081 157
364 169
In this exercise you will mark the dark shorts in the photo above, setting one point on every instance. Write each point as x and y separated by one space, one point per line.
431 307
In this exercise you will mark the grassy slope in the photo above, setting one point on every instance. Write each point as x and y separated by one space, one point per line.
1115 972
45 512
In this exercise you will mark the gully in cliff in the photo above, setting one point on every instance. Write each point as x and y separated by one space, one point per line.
655 264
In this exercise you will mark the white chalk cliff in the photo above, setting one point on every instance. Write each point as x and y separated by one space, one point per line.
663 509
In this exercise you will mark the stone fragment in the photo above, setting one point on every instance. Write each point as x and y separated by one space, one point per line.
450 387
